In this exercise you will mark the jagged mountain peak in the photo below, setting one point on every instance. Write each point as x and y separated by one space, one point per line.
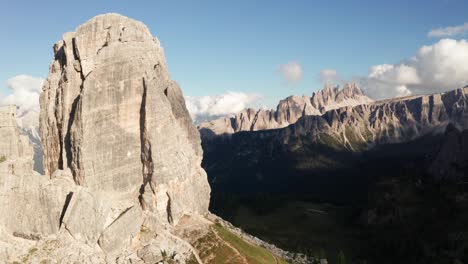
288 111
334 97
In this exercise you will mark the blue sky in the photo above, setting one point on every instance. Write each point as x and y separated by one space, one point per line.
218 46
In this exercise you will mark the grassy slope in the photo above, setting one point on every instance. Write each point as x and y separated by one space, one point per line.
220 246
254 254
316 229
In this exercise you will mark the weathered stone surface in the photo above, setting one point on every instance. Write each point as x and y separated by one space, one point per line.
85 215
121 156
120 150
122 231
111 114
288 111
15 151
32 204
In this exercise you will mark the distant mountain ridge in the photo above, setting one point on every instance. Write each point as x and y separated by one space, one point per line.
288 111
330 141
355 127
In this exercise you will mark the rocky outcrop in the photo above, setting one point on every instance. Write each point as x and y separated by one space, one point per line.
334 98
121 154
15 152
111 114
288 111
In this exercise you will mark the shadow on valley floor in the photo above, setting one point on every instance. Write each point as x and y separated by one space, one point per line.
378 206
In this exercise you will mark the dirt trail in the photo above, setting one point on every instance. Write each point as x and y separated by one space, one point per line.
194 251
244 260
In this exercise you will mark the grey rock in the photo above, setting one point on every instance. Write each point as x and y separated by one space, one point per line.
104 108
15 151
120 153
122 231
32 204
85 215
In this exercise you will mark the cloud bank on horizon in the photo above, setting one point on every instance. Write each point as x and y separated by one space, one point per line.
207 107
435 68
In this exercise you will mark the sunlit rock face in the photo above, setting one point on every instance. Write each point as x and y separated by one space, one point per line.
112 115
120 152
15 152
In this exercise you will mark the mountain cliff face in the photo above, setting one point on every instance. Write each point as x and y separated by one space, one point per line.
287 112
123 181
13 145
106 103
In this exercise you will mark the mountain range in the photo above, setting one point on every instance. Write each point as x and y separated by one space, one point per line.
288 111
122 178
365 180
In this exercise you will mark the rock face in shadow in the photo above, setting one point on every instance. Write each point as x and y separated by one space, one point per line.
111 114
450 161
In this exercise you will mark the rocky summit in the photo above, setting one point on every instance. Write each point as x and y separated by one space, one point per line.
111 115
123 179
288 111
120 154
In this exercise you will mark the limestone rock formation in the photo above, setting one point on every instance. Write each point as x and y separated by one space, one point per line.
334 98
111 114
121 154
13 146
288 111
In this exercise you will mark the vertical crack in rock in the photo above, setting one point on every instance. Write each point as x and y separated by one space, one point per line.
59 129
67 140
79 179
169 210
146 152
108 38
65 207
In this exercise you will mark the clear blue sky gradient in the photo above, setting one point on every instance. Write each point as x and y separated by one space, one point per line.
216 46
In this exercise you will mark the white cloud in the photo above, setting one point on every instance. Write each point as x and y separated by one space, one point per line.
291 72
219 105
449 31
439 67
328 76
25 92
